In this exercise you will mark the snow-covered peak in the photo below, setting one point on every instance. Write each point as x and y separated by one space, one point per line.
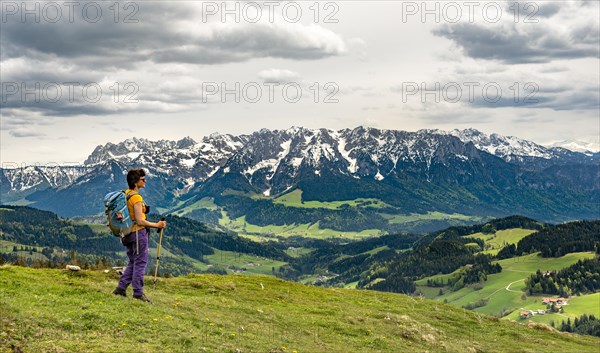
130 149
21 179
277 159
506 147
186 142
587 147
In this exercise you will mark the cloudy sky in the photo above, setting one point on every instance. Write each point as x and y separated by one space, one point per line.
74 77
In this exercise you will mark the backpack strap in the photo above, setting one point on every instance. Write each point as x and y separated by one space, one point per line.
128 196
137 242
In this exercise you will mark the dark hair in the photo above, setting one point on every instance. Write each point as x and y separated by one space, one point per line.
133 176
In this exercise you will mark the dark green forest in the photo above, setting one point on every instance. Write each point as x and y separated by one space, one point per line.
558 240
64 241
583 325
580 278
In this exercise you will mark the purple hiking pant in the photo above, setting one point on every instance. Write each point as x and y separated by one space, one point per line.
134 272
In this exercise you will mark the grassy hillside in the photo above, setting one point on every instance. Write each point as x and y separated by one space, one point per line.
503 291
249 263
496 241
577 306
188 246
290 214
308 230
61 311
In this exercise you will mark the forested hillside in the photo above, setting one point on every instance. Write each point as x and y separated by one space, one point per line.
555 241
185 240
580 278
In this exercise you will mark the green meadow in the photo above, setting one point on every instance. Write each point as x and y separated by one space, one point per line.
414 217
251 264
313 230
577 306
495 242
504 292
294 199
46 310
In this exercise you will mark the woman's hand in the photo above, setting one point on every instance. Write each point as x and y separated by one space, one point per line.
139 214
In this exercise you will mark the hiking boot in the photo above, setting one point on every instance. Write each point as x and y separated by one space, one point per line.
143 298
119 291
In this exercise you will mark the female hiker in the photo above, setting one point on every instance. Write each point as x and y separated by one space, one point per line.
137 249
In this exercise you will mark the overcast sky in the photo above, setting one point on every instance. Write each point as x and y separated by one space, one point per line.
530 71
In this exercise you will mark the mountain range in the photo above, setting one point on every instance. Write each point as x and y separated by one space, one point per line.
392 172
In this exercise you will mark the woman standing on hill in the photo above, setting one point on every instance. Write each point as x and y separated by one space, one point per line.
136 242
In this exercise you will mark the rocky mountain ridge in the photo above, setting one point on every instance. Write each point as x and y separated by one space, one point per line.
423 168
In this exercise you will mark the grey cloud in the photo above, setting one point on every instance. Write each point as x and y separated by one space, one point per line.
168 35
12 120
588 33
279 76
554 69
573 101
558 102
528 118
59 109
548 9
509 45
52 93
356 89
184 40
533 10
454 117
558 97
367 108
25 132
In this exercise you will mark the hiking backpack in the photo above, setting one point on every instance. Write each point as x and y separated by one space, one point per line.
120 221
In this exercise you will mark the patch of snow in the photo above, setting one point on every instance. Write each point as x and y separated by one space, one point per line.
286 148
133 155
578 145
499 145
188 162
352 165
265 163
378 176
214 171
296 161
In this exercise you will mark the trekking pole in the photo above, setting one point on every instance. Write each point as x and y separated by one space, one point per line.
158 254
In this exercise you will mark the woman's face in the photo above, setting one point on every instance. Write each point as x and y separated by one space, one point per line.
141 183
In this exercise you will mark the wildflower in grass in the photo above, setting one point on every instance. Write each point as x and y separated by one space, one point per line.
123 324
232 335
155 319
211 324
